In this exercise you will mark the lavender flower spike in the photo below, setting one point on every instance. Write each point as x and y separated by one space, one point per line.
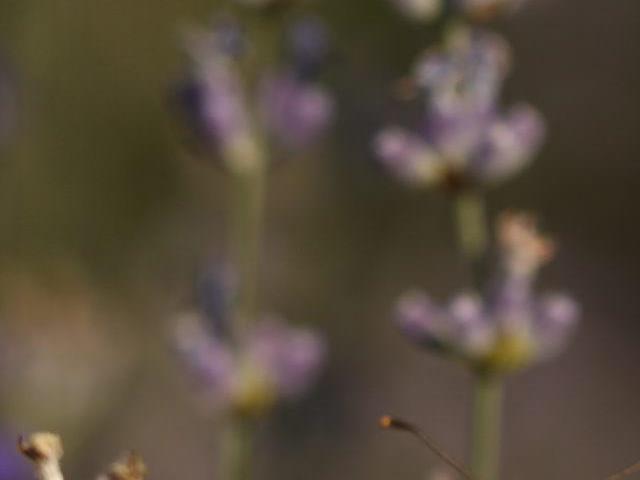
214 99
290 357
465 140
247 372
295 109
291 110
508 328
295 113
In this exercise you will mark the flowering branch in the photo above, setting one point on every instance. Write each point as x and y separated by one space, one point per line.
248 108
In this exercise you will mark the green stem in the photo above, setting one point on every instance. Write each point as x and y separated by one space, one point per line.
248 191
245 238
237 450
487 425
471 223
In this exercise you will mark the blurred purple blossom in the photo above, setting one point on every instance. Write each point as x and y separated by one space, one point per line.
466 139
247 371
213 96
510 327
287 110
294 112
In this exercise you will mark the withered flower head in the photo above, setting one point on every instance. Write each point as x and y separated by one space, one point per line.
129 467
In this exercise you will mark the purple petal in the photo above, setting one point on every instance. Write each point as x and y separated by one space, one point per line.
420 320
292 357
212 96
511 143
457 129
209 362
296 113
471 331
408 157
557 316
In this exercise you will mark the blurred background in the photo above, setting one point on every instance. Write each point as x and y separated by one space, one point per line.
105 218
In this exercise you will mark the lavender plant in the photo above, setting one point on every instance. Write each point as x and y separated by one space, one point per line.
465 144
252 98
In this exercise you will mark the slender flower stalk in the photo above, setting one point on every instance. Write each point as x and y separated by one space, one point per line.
389 422
487 426
237 449
247 197
488 389
471 225
486 419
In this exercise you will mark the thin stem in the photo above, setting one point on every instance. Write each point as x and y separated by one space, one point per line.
487 426
402 425
248 191
237 450
471 223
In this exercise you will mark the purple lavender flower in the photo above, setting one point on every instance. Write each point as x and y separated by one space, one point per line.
287 111
248 371
290 357
294 112
510 327
214 99
465 140
295 109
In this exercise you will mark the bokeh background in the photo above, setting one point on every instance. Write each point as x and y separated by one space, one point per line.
105 217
